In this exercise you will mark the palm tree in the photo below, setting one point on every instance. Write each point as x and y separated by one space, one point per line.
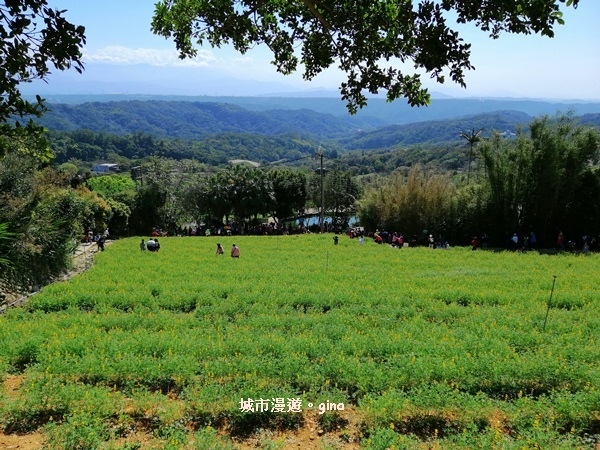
472 137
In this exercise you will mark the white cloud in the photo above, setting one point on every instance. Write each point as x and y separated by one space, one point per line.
117 54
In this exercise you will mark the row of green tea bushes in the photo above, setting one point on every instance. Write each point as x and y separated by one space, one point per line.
77 416
437 411
442 346
442 355
151 356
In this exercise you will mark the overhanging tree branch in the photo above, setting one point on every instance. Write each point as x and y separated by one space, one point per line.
29 51
360 36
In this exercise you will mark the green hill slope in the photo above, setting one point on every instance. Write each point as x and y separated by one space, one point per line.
435 132
191 120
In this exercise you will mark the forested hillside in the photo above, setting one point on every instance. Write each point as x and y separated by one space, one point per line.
435 144
216 150
591 120
192 120
435 132
376 114
216 133
199 120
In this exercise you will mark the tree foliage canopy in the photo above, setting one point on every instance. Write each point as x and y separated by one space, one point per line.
34 37
544 181
41 220
364 38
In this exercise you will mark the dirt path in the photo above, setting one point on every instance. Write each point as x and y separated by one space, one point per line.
311 436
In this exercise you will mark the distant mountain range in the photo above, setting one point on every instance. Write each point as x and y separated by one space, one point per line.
377 113
194 120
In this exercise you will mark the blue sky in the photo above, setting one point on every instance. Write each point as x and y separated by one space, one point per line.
122 55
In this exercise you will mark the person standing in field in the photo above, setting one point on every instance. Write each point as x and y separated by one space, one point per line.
560 241
485 240
532 240
220 250
150 245
143 246
235 251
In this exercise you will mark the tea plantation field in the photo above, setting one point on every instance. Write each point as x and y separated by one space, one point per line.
358 346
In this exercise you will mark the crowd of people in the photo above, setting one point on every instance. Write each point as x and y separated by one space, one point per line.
511 241
529 241
96 238
152 245
233 229
263 229
398 240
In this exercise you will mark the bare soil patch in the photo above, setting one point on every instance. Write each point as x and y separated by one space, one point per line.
311 436
32 441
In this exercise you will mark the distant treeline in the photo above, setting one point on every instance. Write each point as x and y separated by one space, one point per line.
89 146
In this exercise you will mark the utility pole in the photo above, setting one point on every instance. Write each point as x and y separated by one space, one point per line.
322 217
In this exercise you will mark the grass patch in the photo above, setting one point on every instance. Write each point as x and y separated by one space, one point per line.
426 345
